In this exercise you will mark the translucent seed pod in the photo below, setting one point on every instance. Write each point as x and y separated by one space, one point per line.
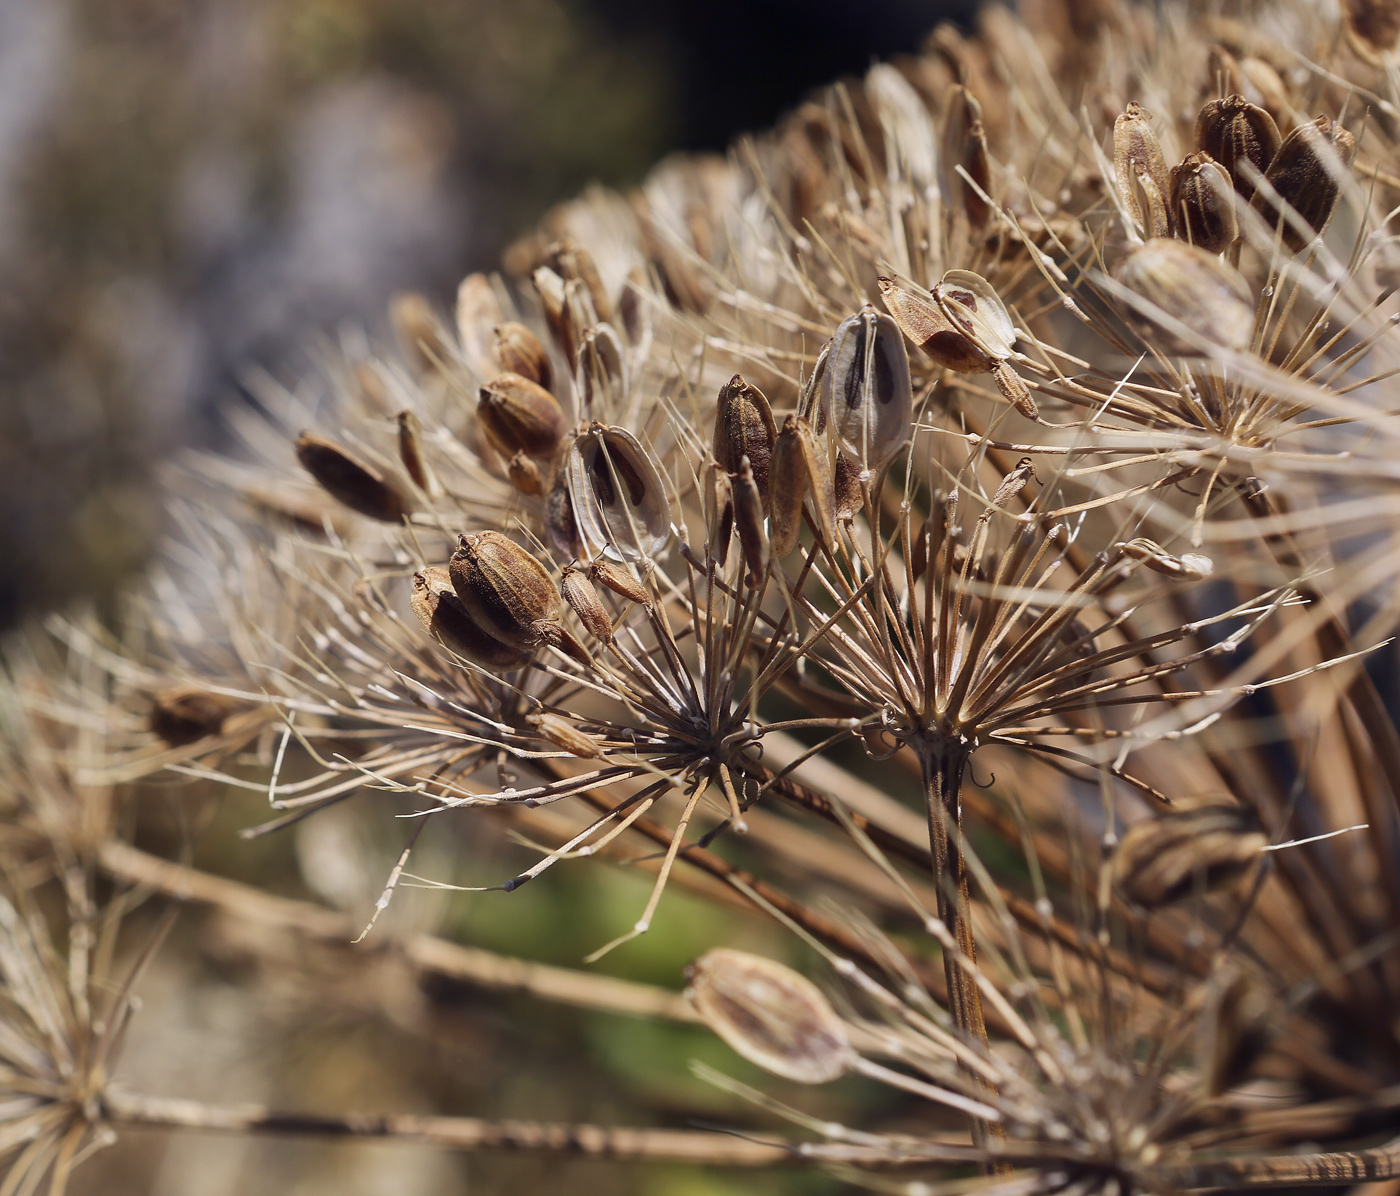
350 481
744 427
1203 203
965 145
1140 172
601 375
444 617
1208 302
866 391
619 499
923 321
1241 136
1306 176
973 305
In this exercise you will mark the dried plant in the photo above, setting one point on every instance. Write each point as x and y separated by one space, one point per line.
1024 406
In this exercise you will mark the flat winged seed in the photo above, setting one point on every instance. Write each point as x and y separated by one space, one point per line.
620 581
923 321
744 427
619 498
973 304
719 515
748 519
809 401
564 735
1306 176
186 714
601 376
350 481
411 452
1140 171
1166 859
1192 287
505 590
1241 136
520 416
1373 27
443 615
519 351
1203 203
846 483
866 390
800 472
770 1015
584 601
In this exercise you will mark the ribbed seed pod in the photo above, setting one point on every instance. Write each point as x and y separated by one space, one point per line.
519 351
1306 175
1203 203
506 591
1195 288
187 714
411 452
350 481
744 427
866 391
573 263
520 416
924 322
1169 858
619 500
564 735
620 581
800 472
584 601
770 1015
444 616
1140 172
1241 137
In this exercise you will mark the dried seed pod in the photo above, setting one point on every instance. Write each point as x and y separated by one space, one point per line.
800 472
601 376
619 499
478 314
573 263
866 391
520 416
411 452
770 1015
620 581
965 145
506 591
419 332
633 311
1166 859
1235 1032
187 714
568 311
923 321
564 735
1190 565
744 427
809 401
719 515
848 486
443 615
1373 27
1140 171
1306 177
584 601
748 518
350 481
1203 203
1241 137
973 304
559 523
1192 287
519 351
525 475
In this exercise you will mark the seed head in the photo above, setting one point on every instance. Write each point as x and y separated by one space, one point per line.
1141 172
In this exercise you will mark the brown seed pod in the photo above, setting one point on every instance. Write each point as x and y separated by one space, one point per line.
744 427
506 591
1203 203
187 714
520 416
800 473
411 452
525 475
559 523
748 519
443 615
350 481
620 581
1373 27
1210 301
573 263
1306 176
519 351
770 1015
619 499
866 391
965 145
1241 137
719 515
564 735
584 601
601 376
924 322
848 486
1166 859
1140 172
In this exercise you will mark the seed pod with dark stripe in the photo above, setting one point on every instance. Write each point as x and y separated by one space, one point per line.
519 351
744 427
520 416
1171 857
619 499
866 390
965 145
1203 203
350 481
1241 137
601 376
1306 174
559 523
444 616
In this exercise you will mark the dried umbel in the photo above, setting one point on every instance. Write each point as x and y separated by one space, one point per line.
1175 856
1141 172
1304 180
361 487
771 1016
444 617
744 427
519 351
1203 203
520 416
866 395
1191 298
618 497
1241 137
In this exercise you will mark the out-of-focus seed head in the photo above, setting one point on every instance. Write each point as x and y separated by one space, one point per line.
1188 566
801 472
1203 203
620 581
619 498
866 390
411 452
350 481
573 263
748 519
1306 176
506 591
1140 172
965 145
601 376
584 601
923 321
1241 137
770 1015
519 351
1373 27
419 332
444 616
1167 859
186 714
564 735
1195 288
520 416
525 475
744 427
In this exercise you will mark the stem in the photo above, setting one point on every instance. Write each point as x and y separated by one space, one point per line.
1336 1169
452 1133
